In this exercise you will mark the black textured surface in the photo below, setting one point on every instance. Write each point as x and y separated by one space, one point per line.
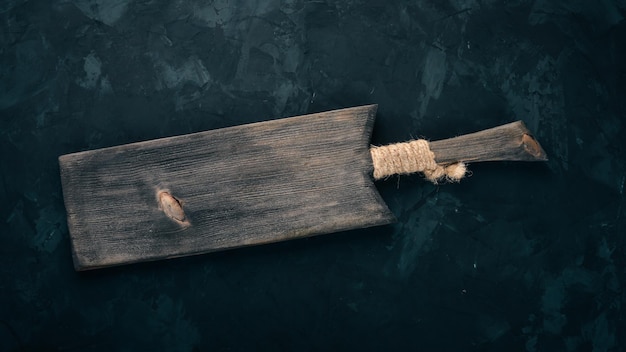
518 257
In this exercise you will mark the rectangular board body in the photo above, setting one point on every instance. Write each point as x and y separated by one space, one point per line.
238 186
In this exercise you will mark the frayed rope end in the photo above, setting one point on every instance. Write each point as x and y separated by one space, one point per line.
450 173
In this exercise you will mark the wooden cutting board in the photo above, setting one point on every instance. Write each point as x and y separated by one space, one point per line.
240 186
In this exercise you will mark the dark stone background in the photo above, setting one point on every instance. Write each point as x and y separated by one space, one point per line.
518 257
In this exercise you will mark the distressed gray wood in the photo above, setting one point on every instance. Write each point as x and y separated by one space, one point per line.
510 142
238 186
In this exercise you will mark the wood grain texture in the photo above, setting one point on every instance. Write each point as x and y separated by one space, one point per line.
510 142
237 186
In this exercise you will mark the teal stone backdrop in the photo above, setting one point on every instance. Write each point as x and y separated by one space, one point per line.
517 257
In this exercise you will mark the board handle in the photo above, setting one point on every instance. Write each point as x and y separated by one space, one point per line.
446 159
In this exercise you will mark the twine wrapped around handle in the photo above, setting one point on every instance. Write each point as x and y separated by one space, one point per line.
411 157
444 159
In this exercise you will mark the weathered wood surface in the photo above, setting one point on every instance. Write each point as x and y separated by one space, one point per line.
226 188
510 142
246 185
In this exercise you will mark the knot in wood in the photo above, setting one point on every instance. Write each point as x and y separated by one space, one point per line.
172 207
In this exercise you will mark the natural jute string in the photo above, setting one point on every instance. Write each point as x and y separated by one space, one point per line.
410 157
